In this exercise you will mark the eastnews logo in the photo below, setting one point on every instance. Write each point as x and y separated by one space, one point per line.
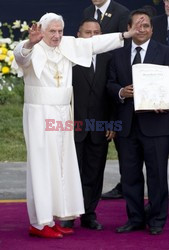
89 125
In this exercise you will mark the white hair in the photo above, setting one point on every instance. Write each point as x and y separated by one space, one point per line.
48 18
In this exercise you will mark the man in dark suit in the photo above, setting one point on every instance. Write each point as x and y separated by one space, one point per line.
113 18
91 105
144 136
161 26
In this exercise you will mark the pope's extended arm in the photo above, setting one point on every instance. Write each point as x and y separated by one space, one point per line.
108 42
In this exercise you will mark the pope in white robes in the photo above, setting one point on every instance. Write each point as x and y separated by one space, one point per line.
45 61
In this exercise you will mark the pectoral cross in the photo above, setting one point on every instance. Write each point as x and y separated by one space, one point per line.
58 77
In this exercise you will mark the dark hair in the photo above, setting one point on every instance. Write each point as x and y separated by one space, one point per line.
87 20
150 9
139 12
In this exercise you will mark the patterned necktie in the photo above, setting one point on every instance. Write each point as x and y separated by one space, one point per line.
99 16
137 58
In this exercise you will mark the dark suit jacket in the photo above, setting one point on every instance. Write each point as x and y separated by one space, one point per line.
90 98
116 23
160 28
151 124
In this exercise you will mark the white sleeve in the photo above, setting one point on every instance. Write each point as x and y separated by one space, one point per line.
26 52
80 50
106 42
22 55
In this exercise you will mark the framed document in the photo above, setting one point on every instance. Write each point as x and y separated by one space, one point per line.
151 87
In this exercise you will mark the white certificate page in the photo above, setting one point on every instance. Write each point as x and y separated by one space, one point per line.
151 87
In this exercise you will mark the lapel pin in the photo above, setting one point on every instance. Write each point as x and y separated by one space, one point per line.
108 14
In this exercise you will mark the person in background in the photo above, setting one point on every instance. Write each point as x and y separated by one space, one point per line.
45 61
151 10
113 17
161 26
139 140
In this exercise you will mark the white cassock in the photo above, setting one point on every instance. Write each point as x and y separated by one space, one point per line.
53 180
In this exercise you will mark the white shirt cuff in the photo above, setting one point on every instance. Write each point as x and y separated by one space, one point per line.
120 97
26 52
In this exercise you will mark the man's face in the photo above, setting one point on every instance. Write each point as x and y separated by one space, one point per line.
99 3
89 29
53 34
166 6
145 31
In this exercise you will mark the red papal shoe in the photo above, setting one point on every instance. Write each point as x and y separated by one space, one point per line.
63 230
46 232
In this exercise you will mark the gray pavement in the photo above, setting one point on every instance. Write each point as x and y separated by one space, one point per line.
13 179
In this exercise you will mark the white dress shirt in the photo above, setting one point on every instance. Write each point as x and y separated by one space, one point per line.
142 52
102 9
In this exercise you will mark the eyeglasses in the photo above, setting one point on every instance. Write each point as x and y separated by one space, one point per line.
166 1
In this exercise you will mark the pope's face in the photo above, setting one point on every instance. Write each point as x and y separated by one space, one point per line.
99 3
145 30
53 34
89 29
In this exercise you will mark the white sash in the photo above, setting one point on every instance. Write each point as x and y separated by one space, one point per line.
47 95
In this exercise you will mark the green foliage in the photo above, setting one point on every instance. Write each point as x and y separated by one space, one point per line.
12 146
112 153
11 89
5 94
